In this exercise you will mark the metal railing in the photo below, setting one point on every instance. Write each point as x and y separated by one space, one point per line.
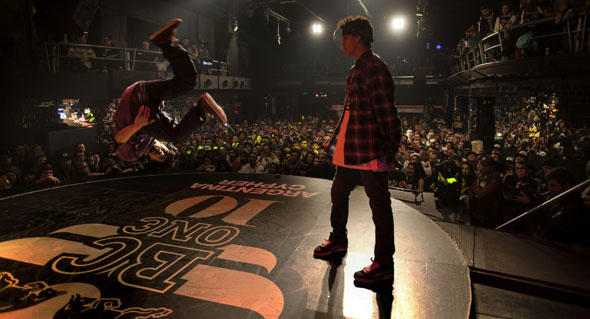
575 28
545 204
129 58
413 191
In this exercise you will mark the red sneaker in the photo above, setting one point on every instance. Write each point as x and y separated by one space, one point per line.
329 248
374 273
166 33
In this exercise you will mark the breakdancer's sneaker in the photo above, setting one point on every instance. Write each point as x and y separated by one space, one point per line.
208 106
330 249
166 33
374 273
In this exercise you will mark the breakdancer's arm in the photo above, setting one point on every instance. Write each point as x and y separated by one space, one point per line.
141 120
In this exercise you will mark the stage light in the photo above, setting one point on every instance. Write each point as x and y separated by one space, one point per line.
398 23
317 28
438 46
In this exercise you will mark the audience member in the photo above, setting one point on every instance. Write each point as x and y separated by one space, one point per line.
528 11
185 42
570 7
487 194
193 50
486 21
252 166
567 219
45 176
81 56
145 58
415 177
434 158
207 165
110 56
63 168
203 50
506 19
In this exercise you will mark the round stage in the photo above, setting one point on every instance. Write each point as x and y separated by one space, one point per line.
213 245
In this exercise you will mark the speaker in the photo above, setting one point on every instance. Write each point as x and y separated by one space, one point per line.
208 82
483 125
226 82
241 83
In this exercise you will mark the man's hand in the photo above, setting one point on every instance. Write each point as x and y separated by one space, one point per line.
143 117
522 198
54 180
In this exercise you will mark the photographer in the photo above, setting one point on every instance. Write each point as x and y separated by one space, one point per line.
446 185
521 193
433 160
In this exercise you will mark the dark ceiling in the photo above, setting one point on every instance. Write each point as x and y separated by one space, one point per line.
446 20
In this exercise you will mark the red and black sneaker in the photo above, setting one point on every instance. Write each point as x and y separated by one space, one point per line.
374 273
166 33
208 105
330 248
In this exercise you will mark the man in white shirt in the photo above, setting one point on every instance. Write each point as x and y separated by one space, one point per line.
253 166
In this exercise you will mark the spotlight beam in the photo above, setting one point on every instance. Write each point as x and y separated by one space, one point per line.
275 15
365 9
313 13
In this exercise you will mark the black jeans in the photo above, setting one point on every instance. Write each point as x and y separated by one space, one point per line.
153 93
377 190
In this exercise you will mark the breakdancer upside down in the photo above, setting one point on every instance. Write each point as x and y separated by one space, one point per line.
140 119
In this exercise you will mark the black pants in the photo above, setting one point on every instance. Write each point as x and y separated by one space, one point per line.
153 93
377 190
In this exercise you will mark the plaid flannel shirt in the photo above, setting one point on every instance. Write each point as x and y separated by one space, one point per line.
374 128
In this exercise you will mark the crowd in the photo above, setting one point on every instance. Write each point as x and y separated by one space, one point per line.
521 42
106 56
524 168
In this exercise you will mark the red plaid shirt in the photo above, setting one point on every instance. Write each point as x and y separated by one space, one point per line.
374 128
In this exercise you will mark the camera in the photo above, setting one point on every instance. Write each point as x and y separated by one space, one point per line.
526 188
448 182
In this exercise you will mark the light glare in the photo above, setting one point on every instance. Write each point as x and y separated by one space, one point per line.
317 28
398 23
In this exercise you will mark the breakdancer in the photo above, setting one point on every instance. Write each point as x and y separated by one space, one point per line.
140 120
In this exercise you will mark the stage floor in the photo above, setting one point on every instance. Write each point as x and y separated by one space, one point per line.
199 245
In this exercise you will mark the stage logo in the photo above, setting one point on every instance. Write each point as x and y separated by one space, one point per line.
164 255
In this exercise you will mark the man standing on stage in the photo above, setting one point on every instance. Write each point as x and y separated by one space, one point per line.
140 118
364 144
